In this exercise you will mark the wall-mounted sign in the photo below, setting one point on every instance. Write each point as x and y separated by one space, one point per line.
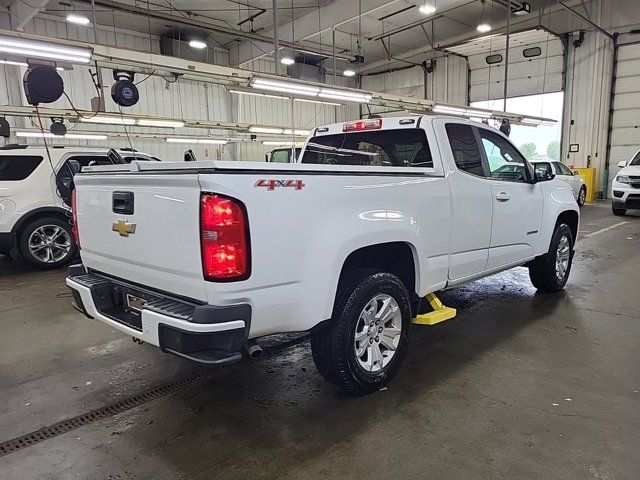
574 148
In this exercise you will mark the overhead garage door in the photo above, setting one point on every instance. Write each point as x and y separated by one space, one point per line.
625 134
541 73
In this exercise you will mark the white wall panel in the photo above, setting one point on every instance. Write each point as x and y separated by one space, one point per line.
447 83
625 135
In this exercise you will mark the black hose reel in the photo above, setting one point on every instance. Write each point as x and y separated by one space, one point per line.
124 92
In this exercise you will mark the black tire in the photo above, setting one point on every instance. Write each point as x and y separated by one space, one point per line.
334 347
34 233
543 271
582 196
619 211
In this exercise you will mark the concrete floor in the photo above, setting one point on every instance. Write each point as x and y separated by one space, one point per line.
518 386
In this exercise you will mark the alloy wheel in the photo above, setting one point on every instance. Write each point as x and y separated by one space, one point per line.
49 244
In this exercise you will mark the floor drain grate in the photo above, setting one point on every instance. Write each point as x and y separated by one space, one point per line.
120 406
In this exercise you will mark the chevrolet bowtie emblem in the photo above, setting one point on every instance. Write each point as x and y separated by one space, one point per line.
124 228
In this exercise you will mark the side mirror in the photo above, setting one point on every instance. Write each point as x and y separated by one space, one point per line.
530 173
622 164
577 174
74 165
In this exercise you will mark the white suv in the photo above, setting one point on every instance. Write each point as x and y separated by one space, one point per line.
34 218
626 186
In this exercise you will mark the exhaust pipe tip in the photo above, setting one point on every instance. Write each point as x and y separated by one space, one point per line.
252 349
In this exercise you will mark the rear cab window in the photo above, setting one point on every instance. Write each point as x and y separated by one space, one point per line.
402 147
14 168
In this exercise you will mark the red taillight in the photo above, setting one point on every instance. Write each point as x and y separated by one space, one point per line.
74 219
369 124
224 238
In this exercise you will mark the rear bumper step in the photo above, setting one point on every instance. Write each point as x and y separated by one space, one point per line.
203 333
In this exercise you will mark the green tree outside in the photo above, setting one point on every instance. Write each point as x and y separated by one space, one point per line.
553 150
528 150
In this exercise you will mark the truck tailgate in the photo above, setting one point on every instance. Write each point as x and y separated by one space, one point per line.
154 241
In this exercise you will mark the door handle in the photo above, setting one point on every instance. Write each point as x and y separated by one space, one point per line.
503 197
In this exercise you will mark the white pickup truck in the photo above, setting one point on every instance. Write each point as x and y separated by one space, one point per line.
201 258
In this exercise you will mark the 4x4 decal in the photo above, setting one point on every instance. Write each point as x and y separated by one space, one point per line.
273 184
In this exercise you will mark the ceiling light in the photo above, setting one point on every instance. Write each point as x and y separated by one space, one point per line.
33 49
18 64
308 100
213 141
284 86
277 131
484 28
349 73
77 19
477 113
280 143
287 61
427 9
160 123
197 44
108 120
70 136
259 94
345 95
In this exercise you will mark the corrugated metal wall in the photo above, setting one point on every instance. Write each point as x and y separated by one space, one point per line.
586 108
447 83
625 138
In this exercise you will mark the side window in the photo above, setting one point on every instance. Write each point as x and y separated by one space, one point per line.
86 160
505 162
562 169
465 148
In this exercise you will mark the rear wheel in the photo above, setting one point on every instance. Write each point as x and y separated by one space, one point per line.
363 347
47 243
550 272
619 211
582 196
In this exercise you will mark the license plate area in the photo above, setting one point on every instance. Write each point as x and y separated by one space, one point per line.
135 303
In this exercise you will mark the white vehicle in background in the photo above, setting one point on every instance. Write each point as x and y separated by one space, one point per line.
550 169
202 258
34 219
625 187
561 171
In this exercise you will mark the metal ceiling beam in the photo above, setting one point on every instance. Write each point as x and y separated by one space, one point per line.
24 12
586 19
193 22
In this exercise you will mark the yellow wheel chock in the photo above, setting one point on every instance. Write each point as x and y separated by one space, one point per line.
439 314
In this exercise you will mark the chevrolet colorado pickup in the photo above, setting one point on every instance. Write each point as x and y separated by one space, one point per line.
201 258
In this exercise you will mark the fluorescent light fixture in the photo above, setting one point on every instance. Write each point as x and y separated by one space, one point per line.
284 86
484 28
197 44
427 9
160 123
108 120
210 141
259 94
449 110
349 73
345 95
10 62
536 121
287 61
77 19
477 113
308 100
300 133
34 49
69 136
277 131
